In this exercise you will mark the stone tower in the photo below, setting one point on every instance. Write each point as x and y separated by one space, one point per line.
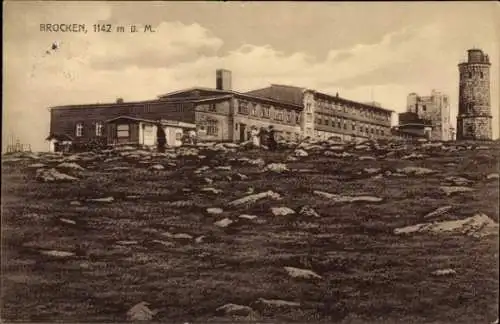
474 108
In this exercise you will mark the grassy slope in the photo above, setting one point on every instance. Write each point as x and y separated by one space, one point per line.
369 274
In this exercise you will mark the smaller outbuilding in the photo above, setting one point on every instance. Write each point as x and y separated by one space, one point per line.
126 130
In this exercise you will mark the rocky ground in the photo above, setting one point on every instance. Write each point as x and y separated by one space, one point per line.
378 232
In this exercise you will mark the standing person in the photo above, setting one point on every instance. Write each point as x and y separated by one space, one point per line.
255 137
161 138
192 137
263 137
271 139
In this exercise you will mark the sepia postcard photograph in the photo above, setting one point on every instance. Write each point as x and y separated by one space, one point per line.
250 162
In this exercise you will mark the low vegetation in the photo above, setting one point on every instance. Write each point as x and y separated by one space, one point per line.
223 233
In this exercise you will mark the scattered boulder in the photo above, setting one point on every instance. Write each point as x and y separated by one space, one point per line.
211 190
67 221
413 156
59 254
301 273
300 153
282 211
178 236
235 310
371 170
444 272
478 225
255 197
70 166
249 217
438 212
347 199
215 211
180 203
276 167
449 190
157 167
104 200
223 222
416 171
492 176
458 181
37 166
141 312
308 211
367 158
275 303
52 175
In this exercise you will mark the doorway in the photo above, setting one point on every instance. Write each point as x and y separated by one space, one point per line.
243 132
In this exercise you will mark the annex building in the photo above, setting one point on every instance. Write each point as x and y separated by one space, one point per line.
222 114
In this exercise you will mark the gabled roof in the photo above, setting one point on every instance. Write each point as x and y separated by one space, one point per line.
218 94
164 122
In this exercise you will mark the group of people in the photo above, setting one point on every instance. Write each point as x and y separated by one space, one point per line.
259 137
263 137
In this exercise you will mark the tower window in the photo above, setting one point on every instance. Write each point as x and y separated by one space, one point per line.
482 75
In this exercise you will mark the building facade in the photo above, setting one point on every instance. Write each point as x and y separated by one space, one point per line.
474 120
221 114
434 108
324 116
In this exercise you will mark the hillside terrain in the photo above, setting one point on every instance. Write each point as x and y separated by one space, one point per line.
377 232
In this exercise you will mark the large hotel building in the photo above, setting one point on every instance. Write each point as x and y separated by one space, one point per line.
222 114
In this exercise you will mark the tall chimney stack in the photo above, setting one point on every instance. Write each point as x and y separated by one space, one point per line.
223 80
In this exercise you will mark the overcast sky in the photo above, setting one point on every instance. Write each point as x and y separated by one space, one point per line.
364 51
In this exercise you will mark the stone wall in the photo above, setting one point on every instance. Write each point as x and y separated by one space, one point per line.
474 128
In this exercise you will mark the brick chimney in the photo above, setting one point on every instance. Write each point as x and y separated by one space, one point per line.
223 80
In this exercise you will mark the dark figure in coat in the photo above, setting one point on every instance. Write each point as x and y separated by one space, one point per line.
271 139
263 136
161 137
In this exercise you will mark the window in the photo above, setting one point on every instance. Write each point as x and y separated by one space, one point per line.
309 118
279 115
382 132
308 107
212 108
470 74
98 128
325 121
482 75
265 112
79 130
338 124
178 136
148 130
297 118
253 110
123 130
212 129
288 116
372 131
243 108
353 127
345 125
424 108
318 120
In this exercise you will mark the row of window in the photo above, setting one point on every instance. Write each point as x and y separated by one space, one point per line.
264 111
99 128
367 113
210 126
342 124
